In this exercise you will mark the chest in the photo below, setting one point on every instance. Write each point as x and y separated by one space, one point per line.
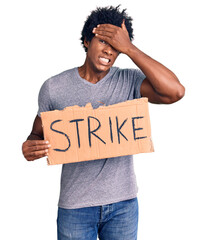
109 92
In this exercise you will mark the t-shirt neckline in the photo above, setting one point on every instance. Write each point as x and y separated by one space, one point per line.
93 84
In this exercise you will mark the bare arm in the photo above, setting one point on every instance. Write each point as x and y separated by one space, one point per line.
161 85
35 147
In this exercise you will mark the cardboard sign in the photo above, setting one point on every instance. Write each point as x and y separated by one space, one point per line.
82 133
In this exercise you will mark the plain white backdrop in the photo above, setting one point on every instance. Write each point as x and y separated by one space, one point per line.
40 39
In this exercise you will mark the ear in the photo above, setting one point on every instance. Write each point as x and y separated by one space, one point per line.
86 43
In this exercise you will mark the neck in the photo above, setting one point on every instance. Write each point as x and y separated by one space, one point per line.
90 73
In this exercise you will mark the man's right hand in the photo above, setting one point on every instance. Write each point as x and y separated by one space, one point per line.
35 149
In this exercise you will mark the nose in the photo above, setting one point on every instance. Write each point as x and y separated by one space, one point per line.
108 50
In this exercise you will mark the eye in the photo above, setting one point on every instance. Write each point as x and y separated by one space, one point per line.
102 41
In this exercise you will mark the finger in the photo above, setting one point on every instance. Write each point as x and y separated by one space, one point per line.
105 38
123 26
103 33
110 30
36 142
107 25
103 29
36 154
35 158
38 148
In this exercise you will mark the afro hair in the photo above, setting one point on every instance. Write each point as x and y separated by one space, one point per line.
104 15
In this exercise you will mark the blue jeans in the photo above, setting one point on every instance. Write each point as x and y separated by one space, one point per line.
117 221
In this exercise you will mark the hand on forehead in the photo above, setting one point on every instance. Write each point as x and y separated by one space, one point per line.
117 37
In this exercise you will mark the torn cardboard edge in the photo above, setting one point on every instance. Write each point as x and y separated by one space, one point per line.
82 133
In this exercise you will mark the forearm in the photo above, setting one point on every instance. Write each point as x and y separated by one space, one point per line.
35 136
161 78
37 130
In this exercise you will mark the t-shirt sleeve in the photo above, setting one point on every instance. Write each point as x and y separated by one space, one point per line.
138 77
44 101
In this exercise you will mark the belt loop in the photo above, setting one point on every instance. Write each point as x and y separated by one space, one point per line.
100 213
111 208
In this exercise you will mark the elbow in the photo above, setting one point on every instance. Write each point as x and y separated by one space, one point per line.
178 94
181 92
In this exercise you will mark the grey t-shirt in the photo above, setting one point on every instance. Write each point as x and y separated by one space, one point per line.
103 181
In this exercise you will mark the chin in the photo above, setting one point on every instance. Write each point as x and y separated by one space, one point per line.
102 68
105 69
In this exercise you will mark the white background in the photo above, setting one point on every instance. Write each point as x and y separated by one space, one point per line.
40 39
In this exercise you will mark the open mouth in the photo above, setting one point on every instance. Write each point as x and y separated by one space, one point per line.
104 61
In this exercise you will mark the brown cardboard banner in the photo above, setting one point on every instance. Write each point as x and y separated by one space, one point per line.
82 133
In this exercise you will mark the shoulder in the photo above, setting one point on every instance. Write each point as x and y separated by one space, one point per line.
59 80
128 73
62 76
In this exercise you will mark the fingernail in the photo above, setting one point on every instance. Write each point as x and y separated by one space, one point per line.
47 142
98 25
94 30
46 150
49 145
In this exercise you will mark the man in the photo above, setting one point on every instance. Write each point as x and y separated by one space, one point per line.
100 197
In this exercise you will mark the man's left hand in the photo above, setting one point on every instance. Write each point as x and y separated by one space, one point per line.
117 37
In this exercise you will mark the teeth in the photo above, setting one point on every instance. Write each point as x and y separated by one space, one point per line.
104 60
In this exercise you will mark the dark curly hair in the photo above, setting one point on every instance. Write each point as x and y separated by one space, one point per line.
102 15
